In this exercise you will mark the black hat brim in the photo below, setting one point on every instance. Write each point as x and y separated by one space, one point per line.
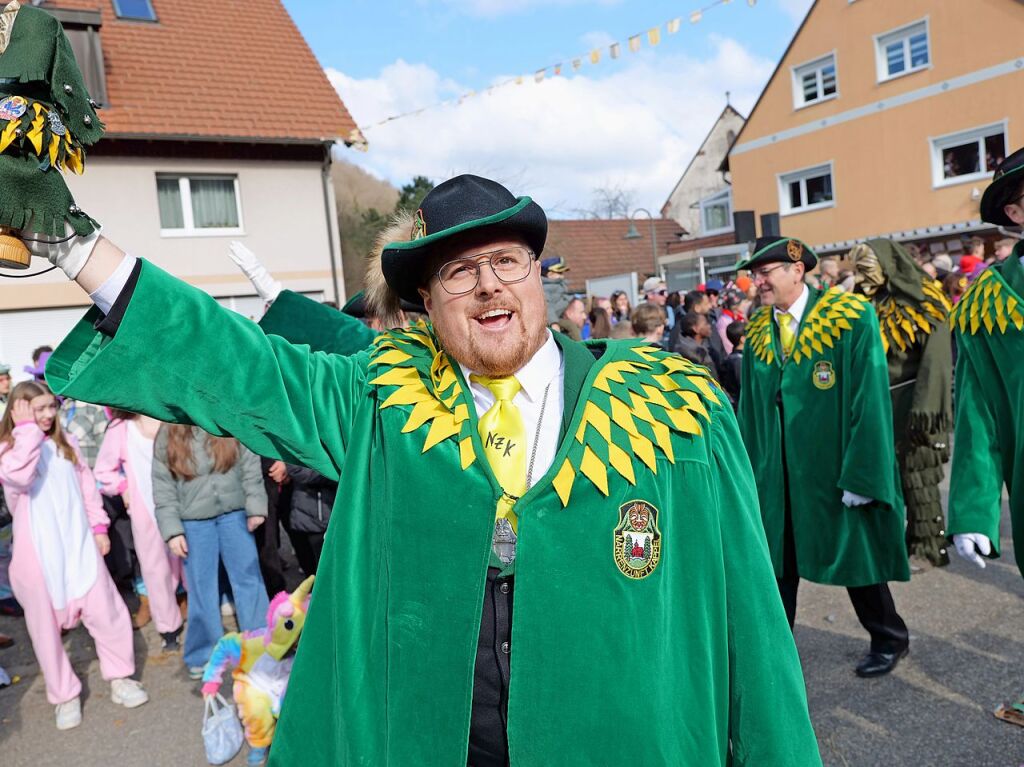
402 263
769 254
997 196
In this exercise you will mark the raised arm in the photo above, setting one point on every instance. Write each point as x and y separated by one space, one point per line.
18 463
172 352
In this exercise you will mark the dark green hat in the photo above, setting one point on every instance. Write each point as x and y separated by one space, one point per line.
1007 182
461 204
356 306
787 250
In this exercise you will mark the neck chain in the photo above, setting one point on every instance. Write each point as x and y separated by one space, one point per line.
536 437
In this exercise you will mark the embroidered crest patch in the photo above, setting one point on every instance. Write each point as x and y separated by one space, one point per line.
824 375
637 539
13 107
419 226
794 250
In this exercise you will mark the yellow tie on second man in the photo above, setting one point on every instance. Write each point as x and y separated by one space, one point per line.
503 435
786 334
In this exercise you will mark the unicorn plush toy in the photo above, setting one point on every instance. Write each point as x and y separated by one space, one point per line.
260 663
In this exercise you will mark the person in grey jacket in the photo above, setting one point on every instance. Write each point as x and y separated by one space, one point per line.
209 498
312 501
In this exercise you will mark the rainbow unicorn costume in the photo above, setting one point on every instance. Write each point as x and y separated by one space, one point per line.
261 662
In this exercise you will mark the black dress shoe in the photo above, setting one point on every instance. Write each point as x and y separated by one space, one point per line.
879 663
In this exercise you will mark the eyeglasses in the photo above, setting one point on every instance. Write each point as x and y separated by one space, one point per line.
510 265
761 274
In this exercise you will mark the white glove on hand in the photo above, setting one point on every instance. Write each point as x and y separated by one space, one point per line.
70 255
852 499
266 286
969 545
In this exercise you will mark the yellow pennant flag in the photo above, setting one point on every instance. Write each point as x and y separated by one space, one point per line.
673 26
654 36
595 55
634 43
519 79
695 17
615 50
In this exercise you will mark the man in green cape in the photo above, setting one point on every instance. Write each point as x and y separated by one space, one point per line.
817 421
988 433
913 315
601 489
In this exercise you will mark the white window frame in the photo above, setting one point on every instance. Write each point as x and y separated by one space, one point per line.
785 179
185 188
938 143
904 32
816 65
716 199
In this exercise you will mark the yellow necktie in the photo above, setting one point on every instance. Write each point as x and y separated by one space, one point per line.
786 334
504 438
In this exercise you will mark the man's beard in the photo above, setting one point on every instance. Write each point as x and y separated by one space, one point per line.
500 359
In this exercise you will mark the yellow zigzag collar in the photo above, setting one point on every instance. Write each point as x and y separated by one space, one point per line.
989 302
639 397
904 326
825 321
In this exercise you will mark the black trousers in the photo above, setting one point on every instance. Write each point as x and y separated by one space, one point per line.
488 726
873 604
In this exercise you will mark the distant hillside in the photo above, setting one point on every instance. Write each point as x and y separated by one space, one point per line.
357 193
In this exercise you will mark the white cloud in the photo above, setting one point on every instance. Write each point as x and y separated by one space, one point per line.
636 127
493 8
795 9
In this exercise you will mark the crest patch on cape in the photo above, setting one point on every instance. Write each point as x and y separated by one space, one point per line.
637 539
419 226
824 375
794 250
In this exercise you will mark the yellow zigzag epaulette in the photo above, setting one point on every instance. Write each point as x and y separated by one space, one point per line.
902 326
639 397
41 129
989 302
825 322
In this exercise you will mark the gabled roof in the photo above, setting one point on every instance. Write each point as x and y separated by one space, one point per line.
219 70
725 161
598 248
700 151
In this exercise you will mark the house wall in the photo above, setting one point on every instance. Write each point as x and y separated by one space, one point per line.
284 220
882 161
703 179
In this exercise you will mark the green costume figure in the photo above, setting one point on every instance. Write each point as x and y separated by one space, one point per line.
644 600
816 418
989 428
913 314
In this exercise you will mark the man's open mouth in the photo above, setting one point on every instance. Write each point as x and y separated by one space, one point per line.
495 319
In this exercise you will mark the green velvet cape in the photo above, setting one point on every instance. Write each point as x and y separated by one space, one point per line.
690 664
837 429
988 435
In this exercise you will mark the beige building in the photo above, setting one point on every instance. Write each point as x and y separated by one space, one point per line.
205 144
885 119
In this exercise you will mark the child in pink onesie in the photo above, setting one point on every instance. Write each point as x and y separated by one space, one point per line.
57 570
124 467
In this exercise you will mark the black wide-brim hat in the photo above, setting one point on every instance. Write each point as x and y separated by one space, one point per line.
356 306
787 250
461 204
1006 182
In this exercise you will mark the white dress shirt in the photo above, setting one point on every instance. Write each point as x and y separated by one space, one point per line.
796 310
544 371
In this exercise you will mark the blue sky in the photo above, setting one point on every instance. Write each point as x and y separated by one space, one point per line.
631 123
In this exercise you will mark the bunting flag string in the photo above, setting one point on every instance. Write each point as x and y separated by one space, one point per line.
634 43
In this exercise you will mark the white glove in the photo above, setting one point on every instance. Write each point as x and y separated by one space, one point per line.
70 255
266 286
969 545
852 499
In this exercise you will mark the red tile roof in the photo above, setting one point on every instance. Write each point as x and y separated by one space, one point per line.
598 248
237 69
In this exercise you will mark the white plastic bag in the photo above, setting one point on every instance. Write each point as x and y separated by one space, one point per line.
222 732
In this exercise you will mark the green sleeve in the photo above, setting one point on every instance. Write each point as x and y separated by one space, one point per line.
180 357
976 481
302 320
769 725
869 452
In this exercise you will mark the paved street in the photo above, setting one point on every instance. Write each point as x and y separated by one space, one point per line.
967 655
